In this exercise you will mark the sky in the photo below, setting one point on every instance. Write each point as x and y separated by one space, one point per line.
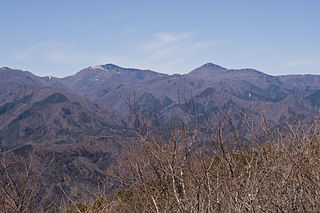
61 37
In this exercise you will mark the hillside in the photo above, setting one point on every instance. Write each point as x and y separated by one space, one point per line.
78 127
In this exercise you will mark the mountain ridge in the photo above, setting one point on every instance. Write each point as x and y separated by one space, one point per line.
114 66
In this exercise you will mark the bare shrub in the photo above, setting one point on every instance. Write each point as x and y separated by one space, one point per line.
234 174
18 189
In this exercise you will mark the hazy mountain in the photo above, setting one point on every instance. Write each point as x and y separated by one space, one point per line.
211 86
97 81
114 88
32 112
301 82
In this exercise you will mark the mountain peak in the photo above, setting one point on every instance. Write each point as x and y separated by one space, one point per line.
207 70
110 66
104 67
5 68
212 66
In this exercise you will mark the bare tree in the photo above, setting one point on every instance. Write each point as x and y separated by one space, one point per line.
178 174
18 188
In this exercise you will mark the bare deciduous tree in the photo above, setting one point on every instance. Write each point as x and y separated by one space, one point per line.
18 188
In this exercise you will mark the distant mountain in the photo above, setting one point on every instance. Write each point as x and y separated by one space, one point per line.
12 80
301 82
210 86
97 81
208 70
32 112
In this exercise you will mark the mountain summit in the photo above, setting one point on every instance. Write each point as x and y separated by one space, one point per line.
208 70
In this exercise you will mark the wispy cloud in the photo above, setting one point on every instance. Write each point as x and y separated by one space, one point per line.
50 51
169 52
165 40
53 58
301 62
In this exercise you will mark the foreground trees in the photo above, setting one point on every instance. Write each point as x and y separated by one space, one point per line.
18 188
179 174
272 178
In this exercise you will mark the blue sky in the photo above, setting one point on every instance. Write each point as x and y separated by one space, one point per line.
60 38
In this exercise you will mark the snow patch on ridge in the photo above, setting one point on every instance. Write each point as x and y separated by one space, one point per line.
99 67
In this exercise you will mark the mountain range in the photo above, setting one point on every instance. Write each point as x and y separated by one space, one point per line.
83 118
96 100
